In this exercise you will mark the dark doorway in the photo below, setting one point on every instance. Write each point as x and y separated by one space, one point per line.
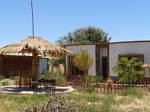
105 67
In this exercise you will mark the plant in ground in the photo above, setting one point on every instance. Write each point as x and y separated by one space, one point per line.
96 79
60 79
6 82
107 103
129 69
132 92
92 97
1 77
83 61
46 74
89 90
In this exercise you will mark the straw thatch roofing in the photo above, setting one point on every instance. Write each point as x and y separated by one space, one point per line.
32 44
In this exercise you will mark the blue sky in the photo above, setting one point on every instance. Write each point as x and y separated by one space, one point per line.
123 20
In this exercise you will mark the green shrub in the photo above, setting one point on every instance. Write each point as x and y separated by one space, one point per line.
96 79
83 61
107 103
60 79
129 69
85 78
49 74
89 90
46 74
92 97
132 92
5 82
1 77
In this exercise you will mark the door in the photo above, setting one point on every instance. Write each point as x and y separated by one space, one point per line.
105 67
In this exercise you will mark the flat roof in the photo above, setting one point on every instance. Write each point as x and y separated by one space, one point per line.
136 41
86 44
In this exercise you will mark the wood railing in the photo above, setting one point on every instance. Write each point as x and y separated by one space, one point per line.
115 87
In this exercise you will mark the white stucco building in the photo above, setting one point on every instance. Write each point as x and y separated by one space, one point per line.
106 56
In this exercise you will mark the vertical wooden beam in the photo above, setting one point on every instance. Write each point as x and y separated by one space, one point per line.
97 56
20 81
108 60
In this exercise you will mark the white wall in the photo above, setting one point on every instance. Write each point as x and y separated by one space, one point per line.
91 50
128 48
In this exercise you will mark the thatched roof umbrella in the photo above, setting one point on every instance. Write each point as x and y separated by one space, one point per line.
34 46
30 45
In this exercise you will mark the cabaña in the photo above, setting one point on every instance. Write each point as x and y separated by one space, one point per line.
27 58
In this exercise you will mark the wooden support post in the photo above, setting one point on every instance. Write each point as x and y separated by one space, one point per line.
20 81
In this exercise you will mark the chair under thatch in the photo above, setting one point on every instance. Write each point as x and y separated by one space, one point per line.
36 47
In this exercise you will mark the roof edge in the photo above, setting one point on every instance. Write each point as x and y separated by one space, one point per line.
136 41
85 44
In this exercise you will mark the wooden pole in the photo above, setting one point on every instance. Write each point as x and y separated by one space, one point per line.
32 12
20 81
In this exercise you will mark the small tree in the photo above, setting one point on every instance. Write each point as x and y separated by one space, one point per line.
83 61
129 69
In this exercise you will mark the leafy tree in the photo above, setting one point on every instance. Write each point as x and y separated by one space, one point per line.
129 69
89 35
83 61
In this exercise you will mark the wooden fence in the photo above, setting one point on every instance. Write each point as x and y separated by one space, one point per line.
115 87
104 87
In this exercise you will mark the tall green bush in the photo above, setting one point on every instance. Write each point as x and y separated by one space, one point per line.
129 69
83 61
96 79
1 77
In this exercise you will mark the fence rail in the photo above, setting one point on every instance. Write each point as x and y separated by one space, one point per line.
79 84
104 87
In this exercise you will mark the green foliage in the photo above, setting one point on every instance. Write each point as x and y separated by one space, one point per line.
92 97
89 90
83 61
89 35
5 82
132 92
129 69
75 101
96 79
108 102
46 74
1 77
60 79
50 74
12 102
